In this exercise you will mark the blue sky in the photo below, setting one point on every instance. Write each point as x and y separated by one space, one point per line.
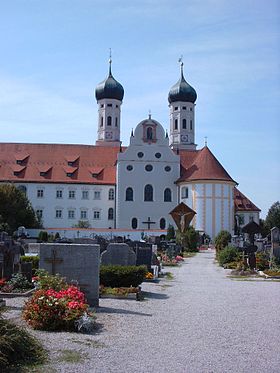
54 53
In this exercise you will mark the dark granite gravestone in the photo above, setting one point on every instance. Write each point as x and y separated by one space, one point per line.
79 263
118 254
26 270
144 256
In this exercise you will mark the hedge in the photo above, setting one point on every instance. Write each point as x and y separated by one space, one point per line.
122 276
34 259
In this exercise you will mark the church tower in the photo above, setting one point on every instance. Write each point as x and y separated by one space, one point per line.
109 95
182 99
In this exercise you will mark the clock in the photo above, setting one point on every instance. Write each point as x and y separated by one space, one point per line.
184 138
108 135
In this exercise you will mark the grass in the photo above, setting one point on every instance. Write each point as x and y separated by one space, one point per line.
188 254
169 276
89 343
71 356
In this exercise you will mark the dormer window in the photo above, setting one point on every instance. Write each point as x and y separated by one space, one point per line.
71 163
19 161
43 173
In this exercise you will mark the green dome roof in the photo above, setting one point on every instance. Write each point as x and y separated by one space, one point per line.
182 91
109 88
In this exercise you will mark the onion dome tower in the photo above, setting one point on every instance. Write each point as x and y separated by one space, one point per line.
182 99
109 95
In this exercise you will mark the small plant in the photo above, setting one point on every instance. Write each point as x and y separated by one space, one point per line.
227 255
43 236
17 284
46 281
222 240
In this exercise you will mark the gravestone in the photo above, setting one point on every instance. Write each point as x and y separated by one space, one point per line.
10 252
26 270
78 263
144 256
118 254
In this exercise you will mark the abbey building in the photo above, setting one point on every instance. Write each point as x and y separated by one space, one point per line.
110 186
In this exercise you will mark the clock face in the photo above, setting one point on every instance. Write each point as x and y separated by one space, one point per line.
108 135
184 138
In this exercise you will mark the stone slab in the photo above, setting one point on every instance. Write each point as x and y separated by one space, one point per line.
118 254
77 262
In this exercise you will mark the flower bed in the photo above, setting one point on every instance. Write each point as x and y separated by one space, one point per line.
17 286
121 292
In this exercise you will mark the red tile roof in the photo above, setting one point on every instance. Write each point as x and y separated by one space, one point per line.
242 203
201 165
54 159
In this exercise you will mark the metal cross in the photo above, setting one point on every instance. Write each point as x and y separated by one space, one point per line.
54 260
149 222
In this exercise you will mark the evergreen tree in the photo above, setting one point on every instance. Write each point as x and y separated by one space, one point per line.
273 216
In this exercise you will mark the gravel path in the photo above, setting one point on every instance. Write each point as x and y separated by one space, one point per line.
200 322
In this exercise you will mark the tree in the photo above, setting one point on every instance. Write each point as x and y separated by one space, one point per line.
188 239
82 224
15 209
222 240
273 216
170 235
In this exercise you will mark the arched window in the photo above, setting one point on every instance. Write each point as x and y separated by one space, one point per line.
176 124
148 193
191 124
111 194
162 223
134 223
184 124
167 195
116 122
109 120
110 213
185 192
129 194
101 123
149 133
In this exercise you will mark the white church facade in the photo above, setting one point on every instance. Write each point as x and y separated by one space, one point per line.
128 188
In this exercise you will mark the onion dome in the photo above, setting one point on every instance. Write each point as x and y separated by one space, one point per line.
182 91
109 88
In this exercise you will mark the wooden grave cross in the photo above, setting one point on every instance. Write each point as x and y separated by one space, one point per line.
54 260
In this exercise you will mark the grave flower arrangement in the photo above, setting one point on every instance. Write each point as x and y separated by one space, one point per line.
17 284
149 276
56 305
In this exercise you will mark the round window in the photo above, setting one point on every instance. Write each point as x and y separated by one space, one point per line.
157 155
140 155
148 167
167 168
129 167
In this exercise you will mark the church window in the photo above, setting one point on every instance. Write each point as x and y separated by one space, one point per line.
134 223
96 214
85 194
71 214
191 124
109 105
116 122
185 192
102 105
184 124
111 194
109 121
167 168
148 193
140 155
149 133
101 124
22 188
176 124
58 214
59 193
83 214
71 194
190 108
167 195
251 218
39 214
117 106
184 108
129 167
97 194
162 223
40 193
158 155
129 194
149 167
176 108
110 213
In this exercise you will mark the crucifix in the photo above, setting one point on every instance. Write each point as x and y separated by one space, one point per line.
149 222
54 260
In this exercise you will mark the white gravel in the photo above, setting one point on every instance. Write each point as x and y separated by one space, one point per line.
200 322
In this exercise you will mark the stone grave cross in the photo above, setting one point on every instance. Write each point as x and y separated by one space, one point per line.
54 260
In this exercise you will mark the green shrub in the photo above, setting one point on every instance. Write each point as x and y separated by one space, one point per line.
34 259
115 276
43 236
17 347
222 240
227 255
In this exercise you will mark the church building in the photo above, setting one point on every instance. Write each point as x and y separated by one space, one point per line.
110 186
